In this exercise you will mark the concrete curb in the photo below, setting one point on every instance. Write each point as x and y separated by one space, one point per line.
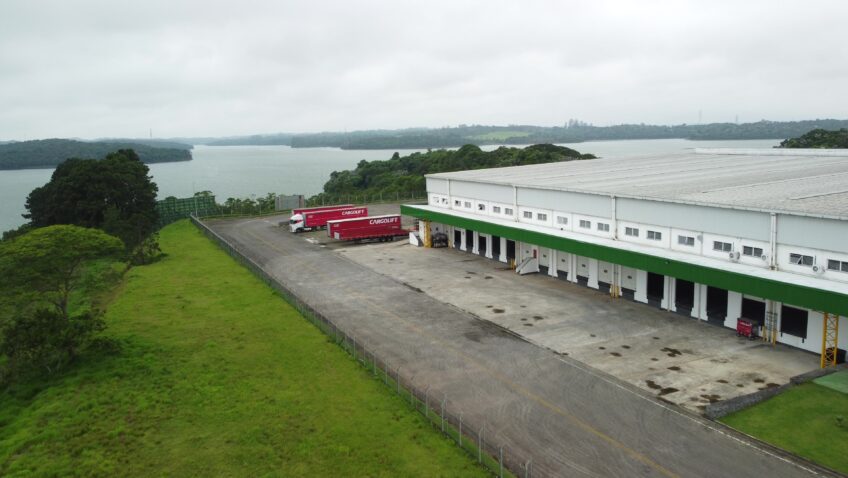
714 411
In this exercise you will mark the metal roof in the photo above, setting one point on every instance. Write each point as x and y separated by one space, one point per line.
803 182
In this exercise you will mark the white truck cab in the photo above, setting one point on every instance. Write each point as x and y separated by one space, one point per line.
296 223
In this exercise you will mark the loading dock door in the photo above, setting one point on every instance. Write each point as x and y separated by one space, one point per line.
628 283
582 270
716 304
754 310
544 260
604 276
684 296
496 247
656 289
481 244
510 250
457 238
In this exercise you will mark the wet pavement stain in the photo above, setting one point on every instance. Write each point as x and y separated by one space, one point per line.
538 317
616 354
671 352
498 311
674 368
625 347
721 380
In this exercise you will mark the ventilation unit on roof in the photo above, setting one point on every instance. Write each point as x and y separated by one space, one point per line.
733 256
818 269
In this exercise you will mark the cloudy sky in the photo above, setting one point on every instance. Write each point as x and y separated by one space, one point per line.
91 69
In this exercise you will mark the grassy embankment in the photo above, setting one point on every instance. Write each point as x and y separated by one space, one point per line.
218 376
803 420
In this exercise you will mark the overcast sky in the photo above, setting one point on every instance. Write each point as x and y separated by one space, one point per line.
113 68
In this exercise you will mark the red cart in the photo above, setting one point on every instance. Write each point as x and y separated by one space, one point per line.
745 328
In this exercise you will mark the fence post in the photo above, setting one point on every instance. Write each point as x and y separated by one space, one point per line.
443 413
480 445
500 460
460 429
427 402
527 468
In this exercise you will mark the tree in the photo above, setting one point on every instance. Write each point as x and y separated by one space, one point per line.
45 265
39 272
114 194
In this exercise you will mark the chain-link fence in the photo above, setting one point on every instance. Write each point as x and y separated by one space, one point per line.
325 199
467 432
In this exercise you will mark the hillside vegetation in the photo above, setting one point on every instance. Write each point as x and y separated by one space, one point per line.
573 131
819 138
47 153
405 174
217 376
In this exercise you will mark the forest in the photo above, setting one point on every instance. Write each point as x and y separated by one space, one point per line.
573 131
405 174
48 153
819 138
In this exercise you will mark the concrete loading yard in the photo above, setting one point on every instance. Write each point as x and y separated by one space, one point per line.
570 418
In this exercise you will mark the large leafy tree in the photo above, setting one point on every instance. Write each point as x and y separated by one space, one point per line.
39 272
115 194
45 266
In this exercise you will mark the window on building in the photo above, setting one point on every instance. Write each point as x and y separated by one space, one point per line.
481 207
833 265
603 227
457 203
468 204
562 220
528 215
496 209
541 216
801 260
793 321
686 240
631 231
722 246
508 211
585 224
752 251
655 235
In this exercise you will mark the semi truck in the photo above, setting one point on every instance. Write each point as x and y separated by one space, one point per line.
381 228
317 219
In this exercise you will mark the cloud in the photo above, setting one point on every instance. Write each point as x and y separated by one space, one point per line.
100 68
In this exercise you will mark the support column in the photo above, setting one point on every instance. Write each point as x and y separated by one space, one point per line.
552 270
593 273
641 293
696 301
489 246
475 245
502 258
463 240
572 269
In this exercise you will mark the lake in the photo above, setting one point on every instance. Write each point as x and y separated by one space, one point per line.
242 171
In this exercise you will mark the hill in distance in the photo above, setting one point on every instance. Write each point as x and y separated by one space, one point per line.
48 153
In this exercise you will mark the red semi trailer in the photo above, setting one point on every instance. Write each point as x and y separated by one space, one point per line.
382 228
318 219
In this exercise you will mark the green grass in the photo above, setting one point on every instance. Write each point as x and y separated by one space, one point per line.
500 135
218 376
802 420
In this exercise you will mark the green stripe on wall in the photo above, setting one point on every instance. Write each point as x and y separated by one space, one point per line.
792 294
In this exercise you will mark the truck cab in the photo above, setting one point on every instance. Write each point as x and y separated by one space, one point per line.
296 223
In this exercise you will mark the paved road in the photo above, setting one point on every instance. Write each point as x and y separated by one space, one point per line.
569 419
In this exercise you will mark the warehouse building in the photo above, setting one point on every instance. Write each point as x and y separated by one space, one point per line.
713 235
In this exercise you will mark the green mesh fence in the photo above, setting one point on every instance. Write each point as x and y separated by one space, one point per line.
173 209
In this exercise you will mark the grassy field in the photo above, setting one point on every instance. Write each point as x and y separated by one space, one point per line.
217 377
802 420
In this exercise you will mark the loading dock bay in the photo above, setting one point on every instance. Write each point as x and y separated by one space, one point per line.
681 360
